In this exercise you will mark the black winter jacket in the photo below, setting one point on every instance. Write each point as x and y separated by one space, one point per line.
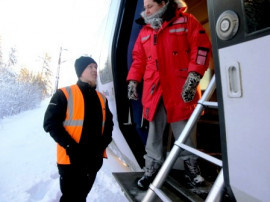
91 133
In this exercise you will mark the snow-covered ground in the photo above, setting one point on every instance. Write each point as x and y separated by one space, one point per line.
28 171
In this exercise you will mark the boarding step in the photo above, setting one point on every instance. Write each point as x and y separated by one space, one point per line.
176 187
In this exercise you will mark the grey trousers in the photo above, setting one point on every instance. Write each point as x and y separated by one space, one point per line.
154 156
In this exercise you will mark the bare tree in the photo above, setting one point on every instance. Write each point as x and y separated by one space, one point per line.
46 74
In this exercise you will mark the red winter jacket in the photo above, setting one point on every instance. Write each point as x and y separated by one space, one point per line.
163 60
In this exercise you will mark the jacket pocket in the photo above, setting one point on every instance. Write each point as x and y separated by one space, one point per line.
178 39
145 42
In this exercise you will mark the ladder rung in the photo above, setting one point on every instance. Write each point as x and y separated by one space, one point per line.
213 105
200 154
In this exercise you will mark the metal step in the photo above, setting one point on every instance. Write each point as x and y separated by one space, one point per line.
176 190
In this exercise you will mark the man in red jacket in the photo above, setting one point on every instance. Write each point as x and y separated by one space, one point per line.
171 55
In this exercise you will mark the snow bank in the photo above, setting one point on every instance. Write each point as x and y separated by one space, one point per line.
28 169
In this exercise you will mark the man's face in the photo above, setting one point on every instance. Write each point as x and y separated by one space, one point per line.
89 75
152 7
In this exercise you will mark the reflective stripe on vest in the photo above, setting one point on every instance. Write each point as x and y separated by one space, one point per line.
75 117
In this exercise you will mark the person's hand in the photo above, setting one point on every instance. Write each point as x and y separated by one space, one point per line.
132 90
190 86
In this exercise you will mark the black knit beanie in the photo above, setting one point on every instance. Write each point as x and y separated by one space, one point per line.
81 63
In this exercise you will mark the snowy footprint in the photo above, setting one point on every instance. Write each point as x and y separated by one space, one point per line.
45 191
38 191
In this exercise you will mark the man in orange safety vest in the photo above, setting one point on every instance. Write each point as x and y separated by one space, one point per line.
79 120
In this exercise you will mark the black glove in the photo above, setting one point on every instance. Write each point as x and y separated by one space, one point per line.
132 90
190 86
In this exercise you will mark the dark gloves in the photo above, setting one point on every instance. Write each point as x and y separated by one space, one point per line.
190 86
132 90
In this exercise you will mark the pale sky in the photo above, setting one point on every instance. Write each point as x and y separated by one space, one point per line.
34 27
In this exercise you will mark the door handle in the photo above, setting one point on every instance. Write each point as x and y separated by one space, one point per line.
234 83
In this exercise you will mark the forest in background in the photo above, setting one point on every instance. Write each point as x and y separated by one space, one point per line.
21 88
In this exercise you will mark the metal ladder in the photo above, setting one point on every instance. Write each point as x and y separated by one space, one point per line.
215 193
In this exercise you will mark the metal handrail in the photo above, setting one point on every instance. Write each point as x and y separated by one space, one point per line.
179 143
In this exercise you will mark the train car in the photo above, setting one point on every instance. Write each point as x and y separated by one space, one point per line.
236 133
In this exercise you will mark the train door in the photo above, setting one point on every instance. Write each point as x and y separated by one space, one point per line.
113 69
241 49
111 53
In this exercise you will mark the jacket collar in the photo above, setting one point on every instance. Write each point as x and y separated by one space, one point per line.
85 86
178 13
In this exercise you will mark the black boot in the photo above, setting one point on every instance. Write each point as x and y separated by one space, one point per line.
193 172
144 182
151 170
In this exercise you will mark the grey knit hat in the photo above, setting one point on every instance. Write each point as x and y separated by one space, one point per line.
81 63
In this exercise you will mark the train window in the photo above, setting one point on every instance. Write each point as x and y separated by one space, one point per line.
106 74
106 33
105 70
257 14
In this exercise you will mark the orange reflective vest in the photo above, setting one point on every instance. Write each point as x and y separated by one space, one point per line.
75 118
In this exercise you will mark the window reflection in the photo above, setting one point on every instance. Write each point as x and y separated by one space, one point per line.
105 72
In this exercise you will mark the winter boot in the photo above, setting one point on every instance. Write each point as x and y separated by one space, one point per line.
144 182
149 175
193 172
